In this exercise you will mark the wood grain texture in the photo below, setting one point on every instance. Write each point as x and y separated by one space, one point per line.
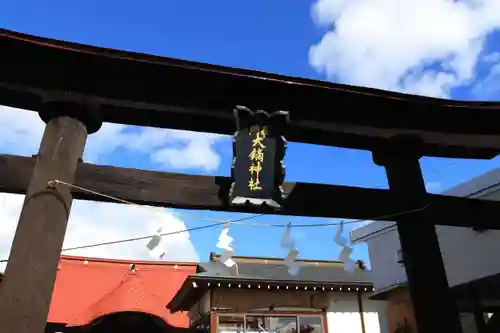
146 90
208 192
26 290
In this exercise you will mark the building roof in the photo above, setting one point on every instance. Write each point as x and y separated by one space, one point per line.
383 294
89 288
269 272
273 269
484 288
201 97
485 186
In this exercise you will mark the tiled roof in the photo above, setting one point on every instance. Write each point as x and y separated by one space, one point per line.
88 288
328 273
266 270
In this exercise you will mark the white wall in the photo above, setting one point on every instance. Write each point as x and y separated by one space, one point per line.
383 244
467 254
343 315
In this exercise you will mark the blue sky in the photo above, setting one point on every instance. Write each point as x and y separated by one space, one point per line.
320 40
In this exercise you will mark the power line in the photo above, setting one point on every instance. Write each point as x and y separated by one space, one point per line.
52 184
83 189
433 172
383 217
238 221
140 238
163 234
151 236
220 222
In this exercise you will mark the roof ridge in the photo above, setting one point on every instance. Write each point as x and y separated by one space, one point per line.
128 261
135 288
123 281
214 257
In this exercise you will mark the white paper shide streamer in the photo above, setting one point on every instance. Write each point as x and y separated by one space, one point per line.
225 243
291 263
226 258
288 243
345 253
156 247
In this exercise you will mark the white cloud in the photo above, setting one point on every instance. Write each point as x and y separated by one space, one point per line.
102 222
169 148
425 47
492 58
92 222
196 155
23 130
488 88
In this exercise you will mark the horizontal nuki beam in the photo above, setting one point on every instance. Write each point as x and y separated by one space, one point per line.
210 193
146 90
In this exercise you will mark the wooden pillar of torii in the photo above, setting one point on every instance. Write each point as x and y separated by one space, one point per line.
435 310
26 290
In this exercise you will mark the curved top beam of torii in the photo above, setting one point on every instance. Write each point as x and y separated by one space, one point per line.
148 90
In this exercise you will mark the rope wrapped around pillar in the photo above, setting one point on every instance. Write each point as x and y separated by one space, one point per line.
26 290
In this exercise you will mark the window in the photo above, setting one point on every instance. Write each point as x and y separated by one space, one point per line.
400 259
468 322
231 324
310 324
261 323
271 324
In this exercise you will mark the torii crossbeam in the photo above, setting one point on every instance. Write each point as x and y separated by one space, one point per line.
76 87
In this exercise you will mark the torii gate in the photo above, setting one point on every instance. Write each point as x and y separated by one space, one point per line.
76 87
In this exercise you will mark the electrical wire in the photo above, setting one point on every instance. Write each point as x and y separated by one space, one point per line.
151 236
221 222
433 172
163 234
52 183
237 221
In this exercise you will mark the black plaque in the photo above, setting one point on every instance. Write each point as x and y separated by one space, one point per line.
259 148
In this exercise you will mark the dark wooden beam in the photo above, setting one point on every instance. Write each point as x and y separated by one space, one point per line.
208 192
31 271
146 90
433 304
198 120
